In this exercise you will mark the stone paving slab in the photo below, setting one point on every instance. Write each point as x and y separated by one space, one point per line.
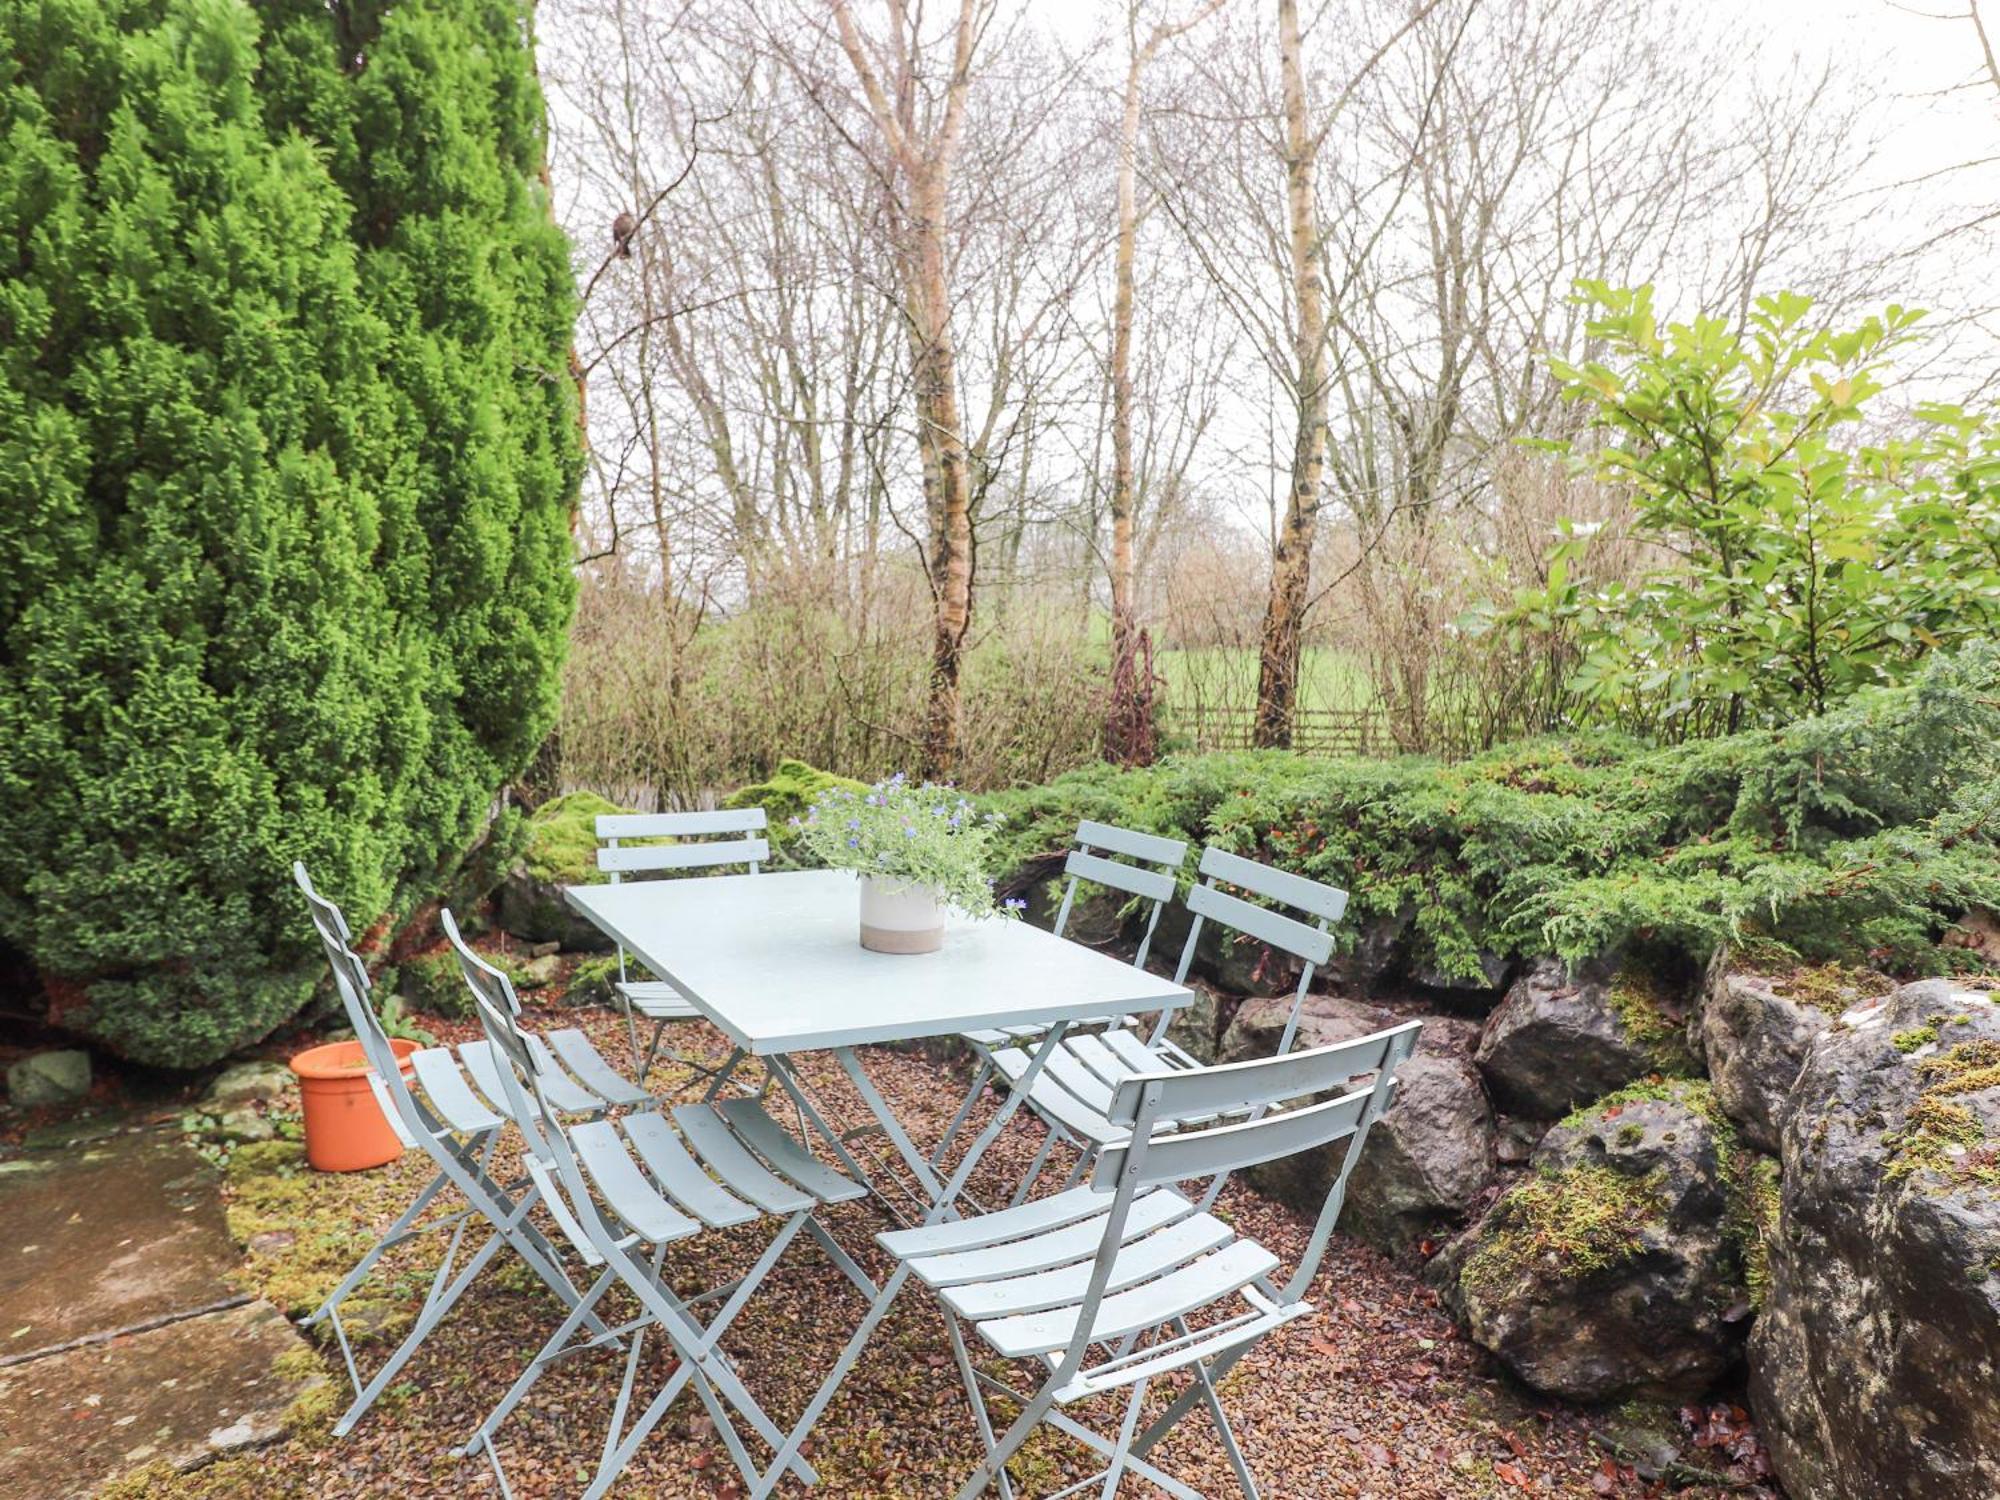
181 1394
108 1234
125 1339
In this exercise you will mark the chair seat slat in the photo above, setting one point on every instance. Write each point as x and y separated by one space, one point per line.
681 1175
563 1091
733 1162
989 1229
1139 1259
1058 1103
1148 1305
588 1065
1052 1247
768 1139
444 1086
626 1191
657 1000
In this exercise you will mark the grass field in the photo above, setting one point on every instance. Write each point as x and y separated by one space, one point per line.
1226 676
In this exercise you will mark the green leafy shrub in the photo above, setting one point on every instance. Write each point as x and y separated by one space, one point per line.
1810 555
1856 834
788 793
287 457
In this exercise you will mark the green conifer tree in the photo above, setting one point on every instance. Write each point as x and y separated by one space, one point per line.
287 455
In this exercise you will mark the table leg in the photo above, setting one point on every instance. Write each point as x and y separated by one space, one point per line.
944 1196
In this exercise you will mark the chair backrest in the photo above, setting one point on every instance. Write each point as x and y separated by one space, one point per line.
550 1161
1092 860
1360 1075
694 845
1310 943
352 984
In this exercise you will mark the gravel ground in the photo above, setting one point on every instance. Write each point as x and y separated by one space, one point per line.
1373 1395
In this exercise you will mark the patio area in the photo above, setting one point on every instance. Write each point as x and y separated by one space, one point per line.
1376 1394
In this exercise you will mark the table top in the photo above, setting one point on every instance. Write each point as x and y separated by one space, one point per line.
776 962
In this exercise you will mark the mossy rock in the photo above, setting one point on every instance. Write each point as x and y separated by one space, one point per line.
1617 1265
1872 1359
560 849
1563 1037
786 794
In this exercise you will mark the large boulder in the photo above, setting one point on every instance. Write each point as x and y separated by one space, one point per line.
46 1078
560 849
1875 1362
1561 1038
1427 1160
1753 1031
1616 1266
1381 943
1259 1024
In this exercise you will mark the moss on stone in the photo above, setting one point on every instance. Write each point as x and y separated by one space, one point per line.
1831 988
1969 1068
1915 1037
1643 1003
1754 1182
786 794
561 846
1696 1095
1568 1221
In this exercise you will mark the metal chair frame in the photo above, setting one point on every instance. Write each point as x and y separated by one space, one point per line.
446 1116
692 849
624 1196
1149 879
1080 1083
1031 1286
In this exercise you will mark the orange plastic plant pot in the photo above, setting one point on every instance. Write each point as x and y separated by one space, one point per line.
345 1130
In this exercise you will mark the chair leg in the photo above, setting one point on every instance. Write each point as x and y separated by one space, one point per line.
995 1462
965 1109
1125 1430
970 1376
1184 1403
1223 1430
556 1344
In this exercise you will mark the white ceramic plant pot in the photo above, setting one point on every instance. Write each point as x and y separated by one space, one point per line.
897 917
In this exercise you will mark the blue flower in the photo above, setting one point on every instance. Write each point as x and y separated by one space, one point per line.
854 843
1015 903
909 832
853 822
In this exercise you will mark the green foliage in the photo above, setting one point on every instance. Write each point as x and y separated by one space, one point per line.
287 456
1568 1222
924 835
1807 562
1856 835
561 846
787 795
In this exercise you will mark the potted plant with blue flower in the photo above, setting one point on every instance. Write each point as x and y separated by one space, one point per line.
919 848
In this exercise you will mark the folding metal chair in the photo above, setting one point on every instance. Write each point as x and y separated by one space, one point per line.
1075 1092
1125 1267
692 849
628 1189
443 1106
1154 886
